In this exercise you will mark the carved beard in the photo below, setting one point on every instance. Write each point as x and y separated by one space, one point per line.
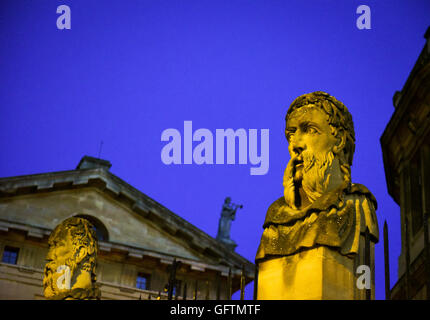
314 177
51 276
49 285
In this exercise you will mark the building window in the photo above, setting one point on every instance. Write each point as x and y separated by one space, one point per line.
142 281
10 255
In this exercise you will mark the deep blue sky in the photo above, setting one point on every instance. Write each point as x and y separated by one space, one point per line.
127 70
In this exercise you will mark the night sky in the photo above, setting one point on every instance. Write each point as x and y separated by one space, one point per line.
127 70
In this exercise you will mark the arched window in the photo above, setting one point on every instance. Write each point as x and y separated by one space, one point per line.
99 228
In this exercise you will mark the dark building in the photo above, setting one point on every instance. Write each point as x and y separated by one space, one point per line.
406 153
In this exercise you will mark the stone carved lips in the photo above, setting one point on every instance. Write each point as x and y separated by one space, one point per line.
297 164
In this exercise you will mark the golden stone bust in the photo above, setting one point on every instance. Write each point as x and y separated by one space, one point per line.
70 271
320 206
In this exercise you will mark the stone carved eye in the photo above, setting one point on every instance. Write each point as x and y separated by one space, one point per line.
310 129
289 133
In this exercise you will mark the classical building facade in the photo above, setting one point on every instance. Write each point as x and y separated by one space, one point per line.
138 238
406 152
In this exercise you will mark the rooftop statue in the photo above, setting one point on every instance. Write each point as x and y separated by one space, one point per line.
70 271
228 214
321 207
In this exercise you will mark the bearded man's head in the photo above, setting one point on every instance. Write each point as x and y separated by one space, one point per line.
321 138
71 259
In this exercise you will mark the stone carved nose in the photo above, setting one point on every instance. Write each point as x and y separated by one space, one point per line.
296 146
298 150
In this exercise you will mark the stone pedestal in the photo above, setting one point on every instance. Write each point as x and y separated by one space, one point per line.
316 274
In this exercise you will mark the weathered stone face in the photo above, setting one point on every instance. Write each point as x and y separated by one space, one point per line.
59 254
308 131
313 168
71 261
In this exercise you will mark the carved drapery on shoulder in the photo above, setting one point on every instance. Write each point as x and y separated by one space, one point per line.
336 220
